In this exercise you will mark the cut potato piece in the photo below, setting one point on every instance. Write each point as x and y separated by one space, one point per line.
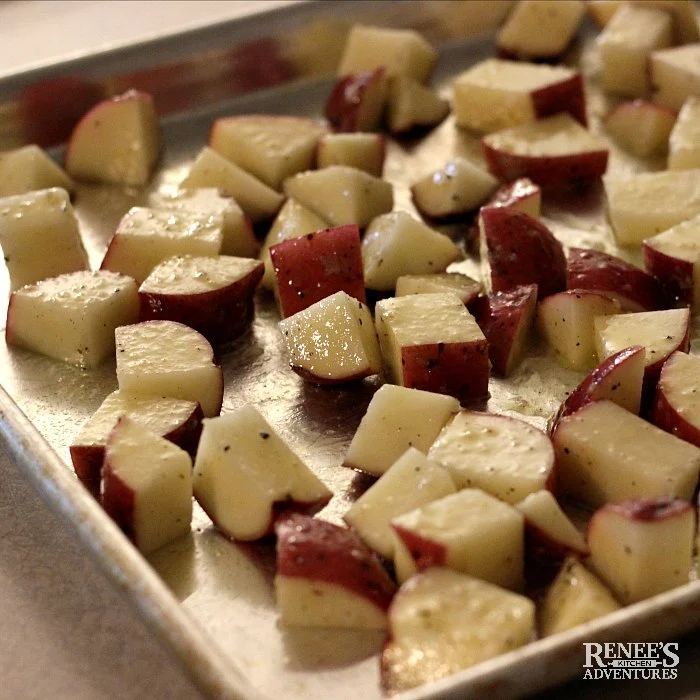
272 148
625 45
606 454
72 317
412 481
576 596
641 127
675 74
539 28
397 419
398 51
684 141
552 151
411 105
468 531
496 94
640 206
238 237
211 169
332 341
397 244
677 404
146 486
357 101
463 286
40 237
503 456
455 189
341 195
441 622
431 342
644 547
359 150
28 169
146 237
117 141
185 371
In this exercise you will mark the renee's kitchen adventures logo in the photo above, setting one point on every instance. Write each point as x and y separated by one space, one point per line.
632 661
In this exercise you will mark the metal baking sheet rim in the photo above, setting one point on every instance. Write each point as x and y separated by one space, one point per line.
539 665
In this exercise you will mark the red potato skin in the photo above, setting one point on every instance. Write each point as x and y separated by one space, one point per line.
220 315
88 459
320 551
118 501
346 101
330 381
425 553
645 509
668 418
596 271
314 266
456 369
503 317
565 96
522 251
546 171
544 556
598 384
674 275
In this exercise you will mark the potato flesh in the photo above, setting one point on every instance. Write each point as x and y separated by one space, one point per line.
684 141
28 169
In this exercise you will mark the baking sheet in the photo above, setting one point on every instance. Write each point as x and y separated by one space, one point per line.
216 609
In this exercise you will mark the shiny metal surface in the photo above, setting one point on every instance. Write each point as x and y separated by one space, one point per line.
216 610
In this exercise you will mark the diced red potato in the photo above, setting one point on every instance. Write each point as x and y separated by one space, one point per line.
503 456
554 151
677 403
341 195
505 319
674 74
412 106
397 244
145 237
673 257
618 378
575 597
520 250
292 221
174 419
497 94
684 140
332 341
643 547
312 267
238 238
117 141
398 51
412 481
213 295
186 371
640 206
72 317
245 476
30 168
210 169
641 127
661 333
468 531
146 485
272 148
457 188
539 29
549 534
356 150
595 271
602 11
357 101
327 577
522 195
397 419
441 622
431 342
626 43
33 224
606 454
463 286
